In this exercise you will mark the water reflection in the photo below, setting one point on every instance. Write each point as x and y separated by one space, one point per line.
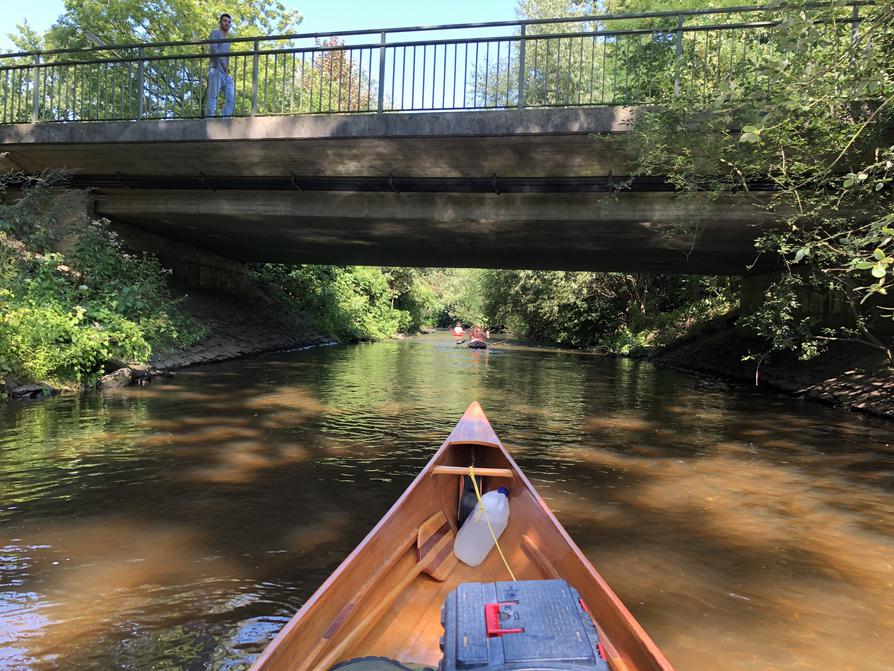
179 525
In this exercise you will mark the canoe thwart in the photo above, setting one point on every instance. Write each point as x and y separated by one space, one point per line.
463 470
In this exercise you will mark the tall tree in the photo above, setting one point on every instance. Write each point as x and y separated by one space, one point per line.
129 21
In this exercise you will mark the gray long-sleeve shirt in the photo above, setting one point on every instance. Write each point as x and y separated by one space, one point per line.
219 50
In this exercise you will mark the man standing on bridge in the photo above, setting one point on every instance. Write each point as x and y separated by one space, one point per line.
219 69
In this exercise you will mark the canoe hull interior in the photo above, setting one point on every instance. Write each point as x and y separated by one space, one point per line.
367 607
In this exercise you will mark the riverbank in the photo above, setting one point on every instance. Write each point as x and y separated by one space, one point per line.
848 375
235 327
238 327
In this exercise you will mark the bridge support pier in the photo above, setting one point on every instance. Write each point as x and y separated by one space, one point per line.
828 308
191 267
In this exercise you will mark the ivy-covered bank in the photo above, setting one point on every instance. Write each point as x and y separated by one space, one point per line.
74 305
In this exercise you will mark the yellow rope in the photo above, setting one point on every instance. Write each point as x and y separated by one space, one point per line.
483 512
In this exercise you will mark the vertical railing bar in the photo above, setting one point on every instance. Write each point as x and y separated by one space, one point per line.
413 82
434 73
678 55
140 75
562 87
369 83
54 93
269 106
381 84
254 78
509 71
270 86
444 80
604 52
496 76
322 72
570 93
54 82
455 77
282 93
303 79
422 96
719 57
105 93
350 78
65 90
547 85
91 108
615 71
705 66
486 70
393 77
560 84
475 86
360 80
332 53
580 67
293 61
465 74
522 69
46 96
592 97
694 65
35 93
740 35
403 80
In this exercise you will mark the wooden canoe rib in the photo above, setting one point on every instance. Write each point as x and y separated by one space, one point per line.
385 598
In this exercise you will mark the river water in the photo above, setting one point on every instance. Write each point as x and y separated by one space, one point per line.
180 525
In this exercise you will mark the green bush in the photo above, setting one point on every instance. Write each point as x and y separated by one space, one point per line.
63 318
352 303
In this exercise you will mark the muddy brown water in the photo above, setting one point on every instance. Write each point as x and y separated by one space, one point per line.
180 525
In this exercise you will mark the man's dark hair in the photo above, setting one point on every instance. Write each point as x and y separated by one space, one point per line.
225 15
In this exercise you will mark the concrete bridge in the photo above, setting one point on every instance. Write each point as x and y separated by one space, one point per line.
499 151
527 188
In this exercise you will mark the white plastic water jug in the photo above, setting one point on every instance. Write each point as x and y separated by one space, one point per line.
474 539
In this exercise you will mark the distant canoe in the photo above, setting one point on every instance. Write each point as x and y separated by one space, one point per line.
477 343
385 598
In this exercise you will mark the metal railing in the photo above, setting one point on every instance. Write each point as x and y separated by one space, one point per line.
583 61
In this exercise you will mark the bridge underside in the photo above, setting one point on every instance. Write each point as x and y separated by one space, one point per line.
512 189
646 232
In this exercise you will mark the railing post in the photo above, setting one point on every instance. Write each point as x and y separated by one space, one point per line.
678 56
521 68
35 110
381 103
254 79
140 84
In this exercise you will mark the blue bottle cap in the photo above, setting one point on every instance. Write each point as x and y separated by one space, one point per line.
504 492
